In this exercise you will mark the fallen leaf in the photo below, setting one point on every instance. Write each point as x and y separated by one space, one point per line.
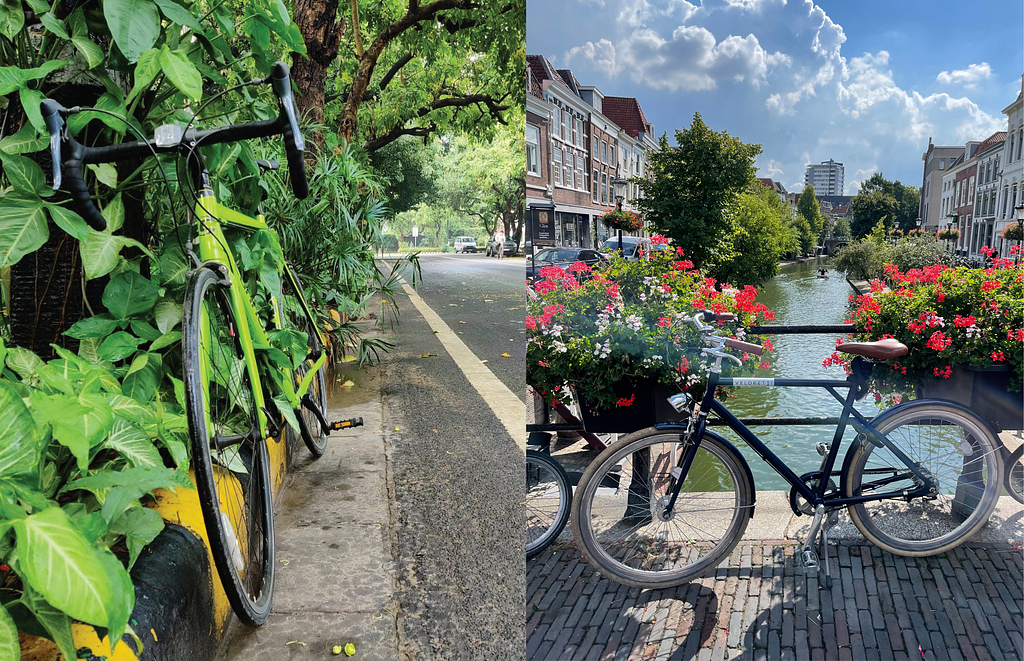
336 650
428 355
284 561
505 354
350 649
398 429
487 300
483 361
462 322
153 631
348 384
295 642
435 332
349 359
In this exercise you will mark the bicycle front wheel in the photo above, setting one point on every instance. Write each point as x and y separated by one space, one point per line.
619 516
229 454
547 502
312 431
1015 474
954 447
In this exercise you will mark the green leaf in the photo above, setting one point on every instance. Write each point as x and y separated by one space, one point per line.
68 220
178 14
145 330
108 101
100 325
118 346
146 70
140 526
66 570
10 648
13 78
19 435
128 294
30 100
12 19
114 213
106 173
165 340
142 385
24 362
25 141
56 624
130 409
23 227
92 53
134 25
286 410
100 252
77 424
182 73
179 391
133 444
25 174
129 485
140 362
168 315
53 24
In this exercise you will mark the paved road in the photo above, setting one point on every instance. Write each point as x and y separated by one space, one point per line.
456 517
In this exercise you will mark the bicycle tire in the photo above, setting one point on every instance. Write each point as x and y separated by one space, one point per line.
961 507
729 472
1014 474
243 546
550 531
313 434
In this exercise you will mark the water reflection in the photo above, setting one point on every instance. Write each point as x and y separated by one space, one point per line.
796 296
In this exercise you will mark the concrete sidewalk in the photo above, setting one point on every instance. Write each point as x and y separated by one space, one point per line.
335 577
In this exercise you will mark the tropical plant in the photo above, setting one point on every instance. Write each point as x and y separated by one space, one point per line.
622 219
946 317
625 322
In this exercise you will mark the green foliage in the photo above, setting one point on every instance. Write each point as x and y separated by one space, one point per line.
808 207
694 186
860 260
866 259
880 199
402 167
761 237
842 229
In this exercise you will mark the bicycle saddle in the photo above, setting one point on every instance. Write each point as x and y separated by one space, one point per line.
880 349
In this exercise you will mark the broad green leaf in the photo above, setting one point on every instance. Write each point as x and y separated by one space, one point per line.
128 294
106 173
165 340
66 569
124 597
134 24
140 526
92 53
30 100
285 409
118 346
54 25
182 73
133 444
77 424
52 377
23 227
167 315
68 220
25 363
25 174
100 325
100 252
145 330
129 485
114 213
19 435
179 391
25 141
178 14
127 407
56 624
146 70
87 349
12 19
13 78
178 449
142 385
138 363
10 648
108 101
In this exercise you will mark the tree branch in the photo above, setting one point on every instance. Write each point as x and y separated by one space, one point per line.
396 133
395 68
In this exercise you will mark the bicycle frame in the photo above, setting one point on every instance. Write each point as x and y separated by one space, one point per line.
813 496
213 251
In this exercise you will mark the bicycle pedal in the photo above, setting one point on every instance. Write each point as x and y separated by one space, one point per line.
810 559
346 424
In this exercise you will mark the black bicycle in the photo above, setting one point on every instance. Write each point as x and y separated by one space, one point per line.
667 504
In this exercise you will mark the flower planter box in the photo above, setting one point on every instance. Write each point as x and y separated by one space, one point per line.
984 390
650 405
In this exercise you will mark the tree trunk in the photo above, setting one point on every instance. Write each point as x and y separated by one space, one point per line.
316 21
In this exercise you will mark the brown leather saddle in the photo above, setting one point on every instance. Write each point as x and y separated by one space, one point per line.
881 349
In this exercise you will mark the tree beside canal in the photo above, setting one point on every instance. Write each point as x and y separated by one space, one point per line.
810 210
881 199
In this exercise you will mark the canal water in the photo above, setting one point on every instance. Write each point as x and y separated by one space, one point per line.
797 296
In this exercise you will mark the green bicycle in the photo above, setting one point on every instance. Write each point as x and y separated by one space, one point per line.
226 401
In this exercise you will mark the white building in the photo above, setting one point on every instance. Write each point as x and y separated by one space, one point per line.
1011 182
989 156
827 178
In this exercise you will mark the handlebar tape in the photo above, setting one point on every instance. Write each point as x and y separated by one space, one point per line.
74 183
293 143
755 349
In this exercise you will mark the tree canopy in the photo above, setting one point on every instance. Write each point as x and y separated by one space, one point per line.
693 185
809 207
761 235
893 203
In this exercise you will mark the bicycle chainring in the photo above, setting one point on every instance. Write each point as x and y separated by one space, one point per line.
798 503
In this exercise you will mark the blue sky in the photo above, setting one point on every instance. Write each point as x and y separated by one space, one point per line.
865 82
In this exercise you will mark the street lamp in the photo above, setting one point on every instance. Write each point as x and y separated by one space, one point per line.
951 220
1019 213
619 190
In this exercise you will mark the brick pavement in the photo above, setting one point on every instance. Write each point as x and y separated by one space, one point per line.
760 604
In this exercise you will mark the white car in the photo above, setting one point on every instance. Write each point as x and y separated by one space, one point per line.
465 244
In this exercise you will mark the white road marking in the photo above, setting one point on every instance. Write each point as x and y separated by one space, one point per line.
509 409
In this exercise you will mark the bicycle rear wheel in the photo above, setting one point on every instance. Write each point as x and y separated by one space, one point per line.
618 510
956 448
312 431
229 454
1014 470
547 502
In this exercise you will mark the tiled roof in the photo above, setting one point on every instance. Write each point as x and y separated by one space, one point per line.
533 86
625 111
543 70
569 80
994 139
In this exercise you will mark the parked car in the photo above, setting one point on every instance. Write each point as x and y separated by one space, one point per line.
563 258
630 244
511 249
464 244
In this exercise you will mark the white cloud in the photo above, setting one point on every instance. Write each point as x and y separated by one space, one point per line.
859 177
601 54
968 77
773 170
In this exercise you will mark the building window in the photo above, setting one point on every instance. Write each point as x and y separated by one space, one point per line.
596 186
604 151
575 131
586 181
593 152
580 183
566 124
611 155
532 150
604 188
567 175
580 139
557 157
942 164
